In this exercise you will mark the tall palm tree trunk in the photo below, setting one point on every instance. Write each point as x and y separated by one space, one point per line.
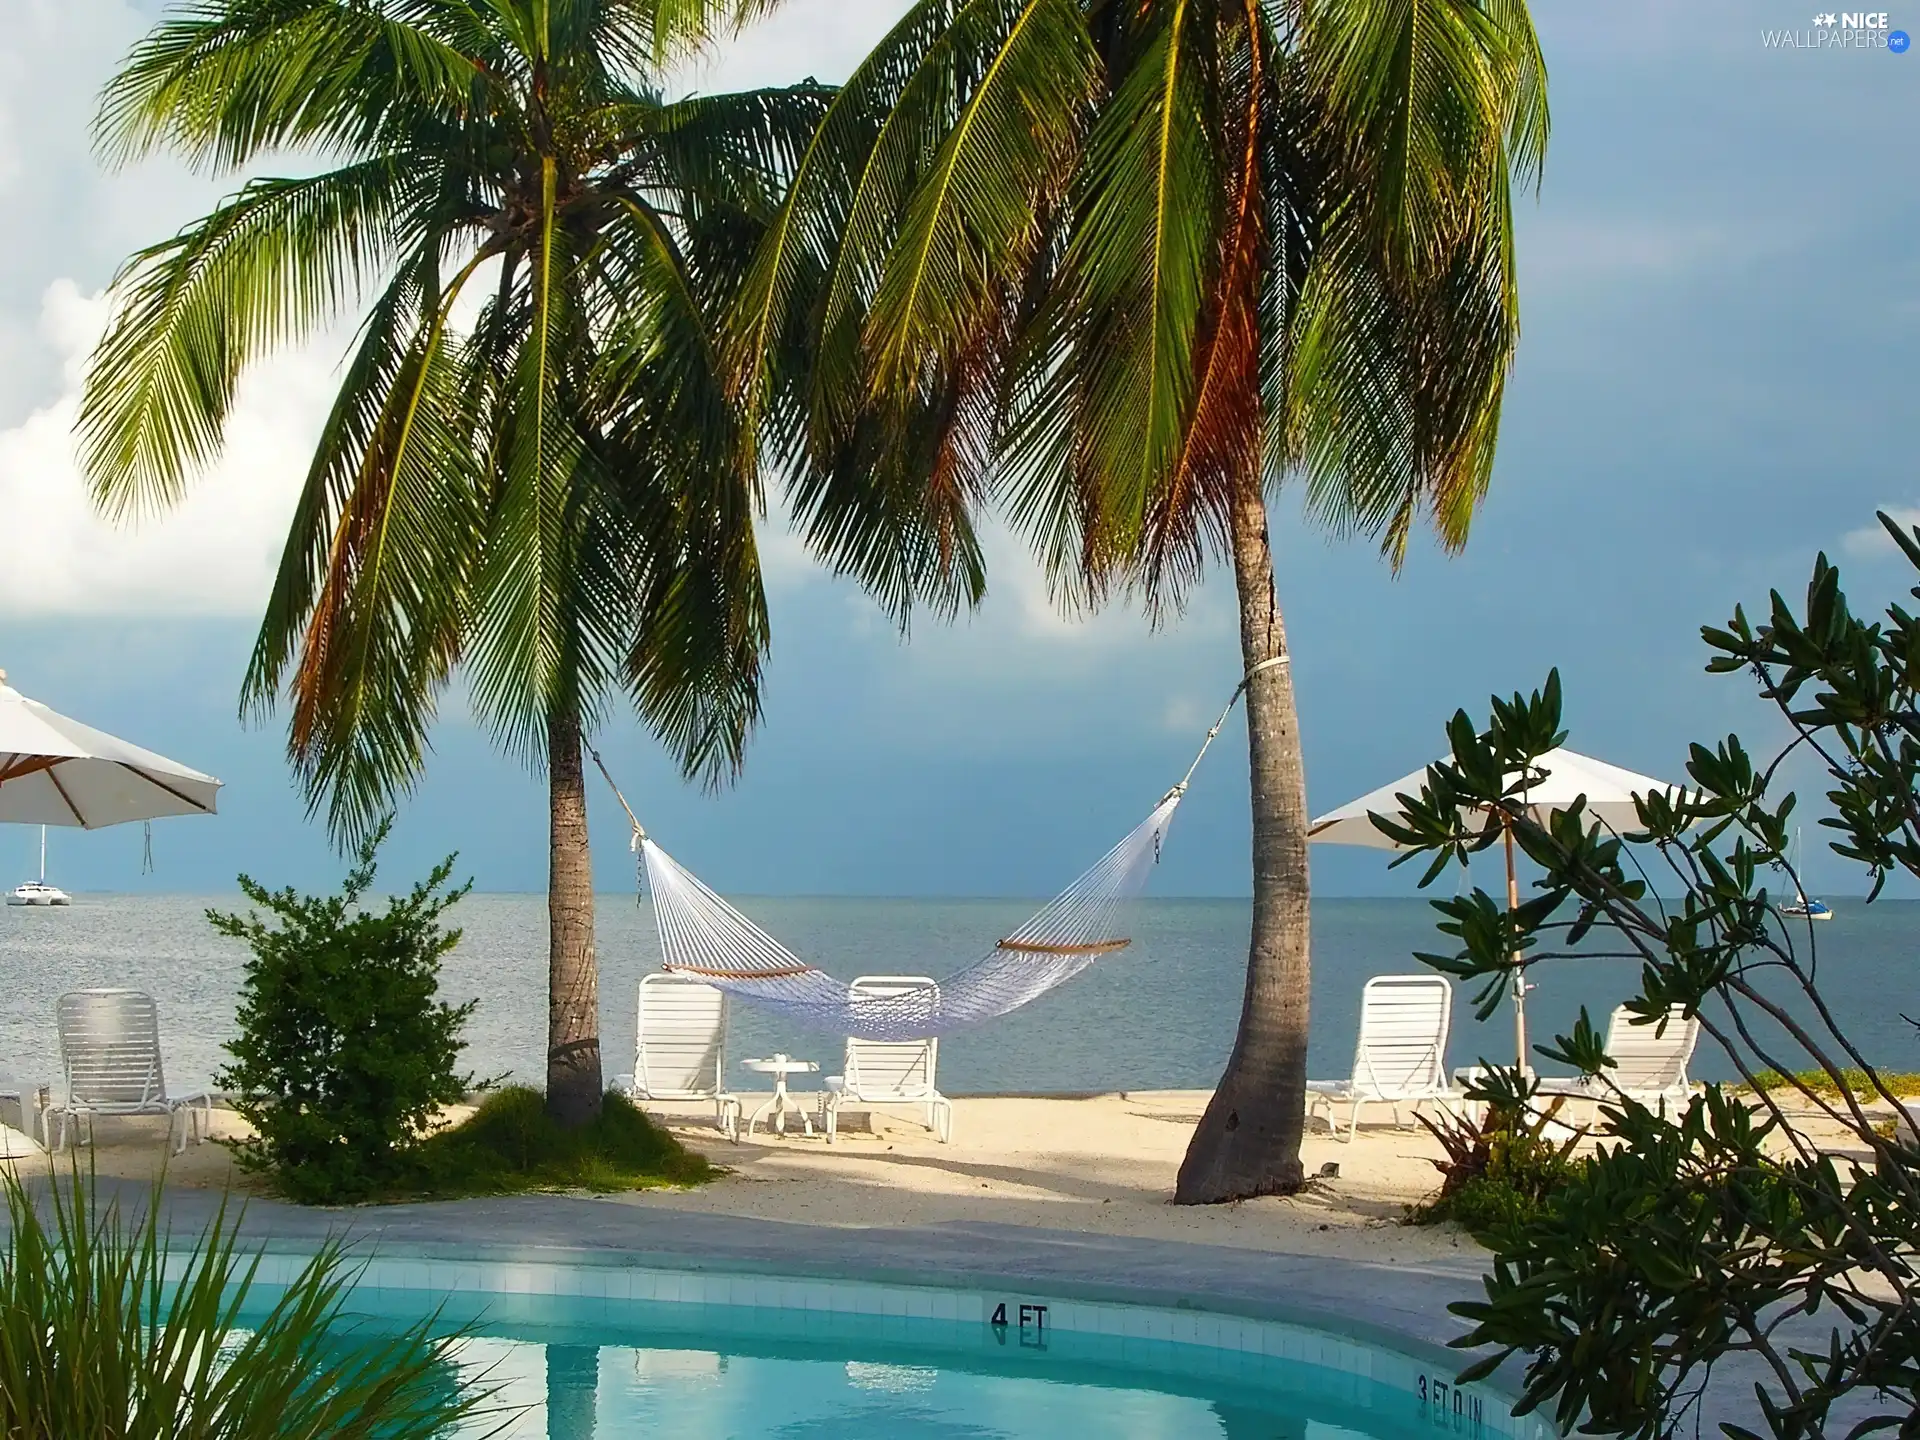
1248 1142
573 978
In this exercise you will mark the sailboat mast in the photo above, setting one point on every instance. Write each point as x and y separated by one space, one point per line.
43 854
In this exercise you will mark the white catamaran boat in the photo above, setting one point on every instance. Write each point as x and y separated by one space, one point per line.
39 892
1802 908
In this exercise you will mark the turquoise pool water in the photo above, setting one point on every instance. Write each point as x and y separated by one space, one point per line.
572 1368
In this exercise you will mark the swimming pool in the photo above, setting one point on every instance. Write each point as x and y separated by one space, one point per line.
604 1351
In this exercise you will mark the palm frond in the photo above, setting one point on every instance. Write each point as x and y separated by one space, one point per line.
385 624
972 223
1142 258
771 325
266 268
1413 93
220 82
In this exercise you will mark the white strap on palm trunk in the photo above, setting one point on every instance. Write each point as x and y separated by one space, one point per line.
702 935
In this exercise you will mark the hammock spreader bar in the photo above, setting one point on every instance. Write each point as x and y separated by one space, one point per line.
701 934
1096 947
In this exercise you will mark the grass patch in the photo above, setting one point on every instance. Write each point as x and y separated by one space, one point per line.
1899 1082
509 1146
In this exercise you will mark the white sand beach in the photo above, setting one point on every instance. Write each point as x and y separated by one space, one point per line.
1103 1164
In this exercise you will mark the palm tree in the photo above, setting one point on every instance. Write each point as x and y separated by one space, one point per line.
1129 265
533 468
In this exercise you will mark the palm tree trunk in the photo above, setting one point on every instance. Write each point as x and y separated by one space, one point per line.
1248 1142
573 978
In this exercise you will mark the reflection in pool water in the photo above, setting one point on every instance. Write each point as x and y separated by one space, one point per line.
612 1392
579 1369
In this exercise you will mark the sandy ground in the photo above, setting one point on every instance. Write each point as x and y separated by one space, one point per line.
1103 1164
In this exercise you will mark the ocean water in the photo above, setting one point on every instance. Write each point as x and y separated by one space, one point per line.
1160 1015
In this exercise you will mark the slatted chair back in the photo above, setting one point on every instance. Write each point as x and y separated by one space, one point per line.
110 1050
680 1049
1402 1051
1651 1059
880 1070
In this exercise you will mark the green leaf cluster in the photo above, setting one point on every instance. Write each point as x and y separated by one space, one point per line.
1722 1230
1499 1172
1117 264
345 1054
534 469
109 1328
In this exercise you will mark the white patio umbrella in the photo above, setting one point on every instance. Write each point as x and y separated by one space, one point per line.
1609 792
56 771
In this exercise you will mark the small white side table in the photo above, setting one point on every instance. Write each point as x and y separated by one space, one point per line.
782 1104
33 1100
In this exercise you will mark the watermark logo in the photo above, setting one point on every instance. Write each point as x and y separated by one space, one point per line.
1842 30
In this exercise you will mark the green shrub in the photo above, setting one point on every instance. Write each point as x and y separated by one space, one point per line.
511 1144
345 1054
1696 1232
1859 1085
1497 1174
98 1339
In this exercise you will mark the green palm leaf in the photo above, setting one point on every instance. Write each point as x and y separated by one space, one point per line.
264 270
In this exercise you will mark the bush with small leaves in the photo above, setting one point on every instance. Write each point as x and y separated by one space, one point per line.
345 1053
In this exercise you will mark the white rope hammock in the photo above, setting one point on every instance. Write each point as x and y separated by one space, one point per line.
702 935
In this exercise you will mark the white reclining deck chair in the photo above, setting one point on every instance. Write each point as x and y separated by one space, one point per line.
679 1050
1401 1057
110 1056
889 1072
1650 1063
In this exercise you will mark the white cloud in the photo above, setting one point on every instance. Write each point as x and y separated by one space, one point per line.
212 555
1592 248
824 39
1871 542
66 215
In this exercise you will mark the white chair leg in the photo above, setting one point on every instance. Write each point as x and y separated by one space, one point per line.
1353 1122
832 1103
940 1118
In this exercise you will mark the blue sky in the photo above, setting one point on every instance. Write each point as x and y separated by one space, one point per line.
1721 316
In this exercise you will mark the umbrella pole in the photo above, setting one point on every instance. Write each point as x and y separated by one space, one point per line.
1519 976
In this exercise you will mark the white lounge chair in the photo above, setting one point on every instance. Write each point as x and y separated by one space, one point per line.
1650 1062
110 1058
679 1050
1401 1057
883 1072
